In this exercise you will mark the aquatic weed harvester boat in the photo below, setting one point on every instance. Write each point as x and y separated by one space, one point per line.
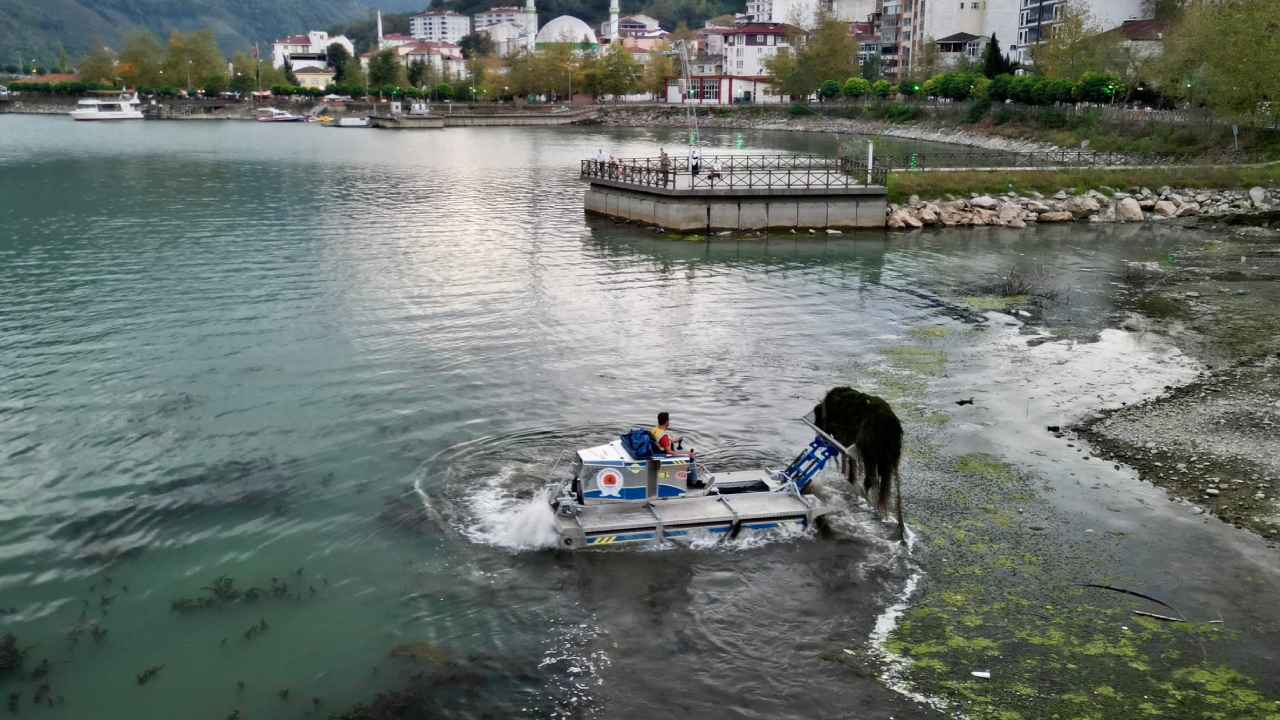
615 497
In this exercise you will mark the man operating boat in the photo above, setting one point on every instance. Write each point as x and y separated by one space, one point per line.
662 437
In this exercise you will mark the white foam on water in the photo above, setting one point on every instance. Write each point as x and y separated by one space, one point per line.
886 623
494 515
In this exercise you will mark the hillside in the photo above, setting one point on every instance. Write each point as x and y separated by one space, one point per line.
41 29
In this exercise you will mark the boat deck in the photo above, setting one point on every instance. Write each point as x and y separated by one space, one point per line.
690 512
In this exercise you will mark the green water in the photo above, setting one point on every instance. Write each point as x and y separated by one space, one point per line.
237 349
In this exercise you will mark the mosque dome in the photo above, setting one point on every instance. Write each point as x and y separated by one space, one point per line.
566 29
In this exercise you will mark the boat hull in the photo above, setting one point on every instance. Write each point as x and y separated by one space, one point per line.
713 516
103 116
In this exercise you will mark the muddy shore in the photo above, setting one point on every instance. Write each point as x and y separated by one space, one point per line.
1213 443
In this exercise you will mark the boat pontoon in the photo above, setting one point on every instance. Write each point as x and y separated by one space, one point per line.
613 498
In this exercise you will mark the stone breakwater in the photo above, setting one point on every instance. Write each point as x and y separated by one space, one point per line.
1135 205
755 119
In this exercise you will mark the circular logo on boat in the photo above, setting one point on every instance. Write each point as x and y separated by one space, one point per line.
610 482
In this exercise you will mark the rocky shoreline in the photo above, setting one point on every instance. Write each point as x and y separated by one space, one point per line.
1131 206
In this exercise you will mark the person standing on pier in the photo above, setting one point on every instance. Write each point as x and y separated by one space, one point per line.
664 164
695 161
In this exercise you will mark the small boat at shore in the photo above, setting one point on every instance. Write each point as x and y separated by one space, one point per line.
352 122
124 106
276 115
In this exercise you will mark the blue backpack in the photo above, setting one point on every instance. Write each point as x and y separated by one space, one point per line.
639 443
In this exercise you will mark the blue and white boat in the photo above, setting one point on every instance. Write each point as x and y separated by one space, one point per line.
614 498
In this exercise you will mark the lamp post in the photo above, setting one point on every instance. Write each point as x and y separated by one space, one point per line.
188 76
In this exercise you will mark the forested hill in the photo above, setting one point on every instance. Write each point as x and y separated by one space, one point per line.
43 29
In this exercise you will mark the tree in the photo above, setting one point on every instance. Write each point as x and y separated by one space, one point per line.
417 73
620 71
476 44
994 62
99 66
338 59
142 60
659 71
1073 47
856 87
870 68
882 88
928 62
908 88
1225 54
828 54
193 60
385 69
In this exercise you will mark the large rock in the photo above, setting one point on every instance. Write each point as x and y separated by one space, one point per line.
1257 196
1188 210
1009 212
903 219
1165 209
986 202
1083 206
929 214
1128 210
1056 216
1036 206
1147 203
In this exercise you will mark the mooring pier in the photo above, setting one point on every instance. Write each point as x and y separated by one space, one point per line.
738 192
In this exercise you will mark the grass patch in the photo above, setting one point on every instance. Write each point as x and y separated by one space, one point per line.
921 361
929 332
903 185
983 303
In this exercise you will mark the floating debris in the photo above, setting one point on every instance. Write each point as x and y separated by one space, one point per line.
284 694
256 629
145 676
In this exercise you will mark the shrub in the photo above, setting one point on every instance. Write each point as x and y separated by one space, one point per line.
829 89
930 86
856 87
977 110
982 88
442 92
899 112
1001 86
956 85
882 88
908 88
1098 88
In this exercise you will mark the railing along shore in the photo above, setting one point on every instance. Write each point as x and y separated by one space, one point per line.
736 172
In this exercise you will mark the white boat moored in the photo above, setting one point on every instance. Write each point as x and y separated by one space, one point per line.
124 106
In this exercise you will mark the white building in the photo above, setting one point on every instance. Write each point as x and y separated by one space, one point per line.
852 10
443 57
313 43
440 26
733 68
566 29
1037 17
507 37
796 12
497 15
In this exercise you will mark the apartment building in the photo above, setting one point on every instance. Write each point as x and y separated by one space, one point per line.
439 26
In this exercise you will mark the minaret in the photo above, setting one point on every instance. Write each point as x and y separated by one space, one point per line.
379 30
613 20
530 25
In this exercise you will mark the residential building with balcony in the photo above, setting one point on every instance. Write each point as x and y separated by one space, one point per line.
1036 19
733 67
439 26
302 50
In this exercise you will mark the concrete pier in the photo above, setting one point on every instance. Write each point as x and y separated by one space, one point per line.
737 192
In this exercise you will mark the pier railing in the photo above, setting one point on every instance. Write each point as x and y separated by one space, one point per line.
735 172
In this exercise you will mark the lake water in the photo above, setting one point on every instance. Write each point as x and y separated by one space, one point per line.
340 366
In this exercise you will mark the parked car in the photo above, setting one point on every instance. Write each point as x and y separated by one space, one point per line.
4 91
